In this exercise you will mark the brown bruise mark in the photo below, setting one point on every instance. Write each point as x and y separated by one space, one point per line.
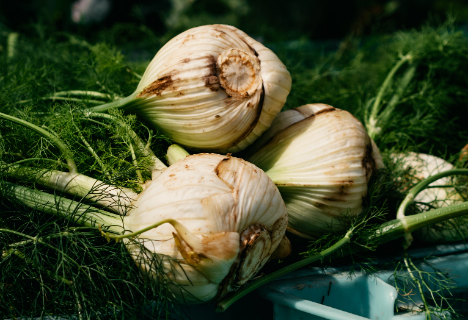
217 116
251 48
368 163
221 34
222 169
168 83
333 199
307 116
212 80
220 29
157 87
344 189
331 109
188 38
319 205
212 83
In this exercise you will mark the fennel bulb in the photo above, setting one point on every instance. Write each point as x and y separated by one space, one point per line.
321 158
420 166
231 218
210 88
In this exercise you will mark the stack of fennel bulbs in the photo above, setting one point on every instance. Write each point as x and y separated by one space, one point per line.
202 227
35 279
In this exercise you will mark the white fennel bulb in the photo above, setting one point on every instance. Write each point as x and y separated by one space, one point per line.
420 166
228 218
211 88
321 158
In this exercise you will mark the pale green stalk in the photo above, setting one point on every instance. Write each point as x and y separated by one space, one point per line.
121 103
62 99
11 44
387 113
79 213
83 93
175 153
117 199
135 163
59 163
371 124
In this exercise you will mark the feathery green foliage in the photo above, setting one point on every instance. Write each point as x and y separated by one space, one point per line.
51 266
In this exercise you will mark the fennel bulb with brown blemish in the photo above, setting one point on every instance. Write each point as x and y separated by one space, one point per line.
229 217
210 88
321 158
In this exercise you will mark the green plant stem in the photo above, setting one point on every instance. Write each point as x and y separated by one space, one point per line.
38 159
423 185
54 98
230 298
82 93
414 192
11 44
176 224
418 283
117 199
121 103
79 213
34 239
135 163
371 124
63 148
387 113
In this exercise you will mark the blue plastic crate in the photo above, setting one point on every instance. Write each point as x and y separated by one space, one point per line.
313 293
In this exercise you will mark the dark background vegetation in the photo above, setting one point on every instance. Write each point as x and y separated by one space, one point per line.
271 20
